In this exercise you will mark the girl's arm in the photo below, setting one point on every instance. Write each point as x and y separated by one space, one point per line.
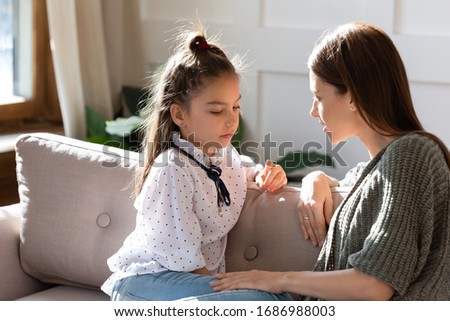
315 207
163 209
202 271
349 284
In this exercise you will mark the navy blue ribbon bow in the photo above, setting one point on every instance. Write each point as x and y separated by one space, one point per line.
213 173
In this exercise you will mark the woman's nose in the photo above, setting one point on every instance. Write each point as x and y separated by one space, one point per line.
313 112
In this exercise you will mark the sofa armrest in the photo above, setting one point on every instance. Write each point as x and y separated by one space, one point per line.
14 282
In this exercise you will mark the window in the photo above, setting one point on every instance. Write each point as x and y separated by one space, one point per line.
27 84
15 51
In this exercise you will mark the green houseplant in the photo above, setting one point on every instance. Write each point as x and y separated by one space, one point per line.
122 131
295 161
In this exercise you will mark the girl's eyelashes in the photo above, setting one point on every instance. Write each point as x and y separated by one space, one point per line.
218 112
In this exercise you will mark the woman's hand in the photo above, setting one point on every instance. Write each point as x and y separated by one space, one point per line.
272 177
347 284
255 279
315 207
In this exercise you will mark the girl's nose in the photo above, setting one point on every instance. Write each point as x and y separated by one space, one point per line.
232 119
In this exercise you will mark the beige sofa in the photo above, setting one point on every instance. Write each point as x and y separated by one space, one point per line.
76 208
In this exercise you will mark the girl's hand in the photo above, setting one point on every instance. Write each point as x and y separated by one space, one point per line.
272 177
255 279
315 207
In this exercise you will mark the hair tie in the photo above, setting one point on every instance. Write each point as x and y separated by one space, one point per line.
202 45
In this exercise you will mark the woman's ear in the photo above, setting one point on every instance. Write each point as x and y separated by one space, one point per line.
177 113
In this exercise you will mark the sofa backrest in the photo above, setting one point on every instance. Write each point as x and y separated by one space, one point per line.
268 235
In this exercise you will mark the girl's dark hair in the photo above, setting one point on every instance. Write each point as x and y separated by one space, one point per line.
195 61
362 59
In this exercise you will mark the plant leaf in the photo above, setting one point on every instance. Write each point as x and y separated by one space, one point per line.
123 126
98 139
133 99
95 123
298 160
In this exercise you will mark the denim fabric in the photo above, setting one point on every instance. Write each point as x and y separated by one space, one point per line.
240 295
169 285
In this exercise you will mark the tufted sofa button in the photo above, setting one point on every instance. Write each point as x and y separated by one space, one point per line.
251 253
103 220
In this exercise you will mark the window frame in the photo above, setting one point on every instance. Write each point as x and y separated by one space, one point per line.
43 106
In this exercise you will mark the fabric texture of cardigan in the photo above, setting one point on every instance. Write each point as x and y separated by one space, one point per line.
395 223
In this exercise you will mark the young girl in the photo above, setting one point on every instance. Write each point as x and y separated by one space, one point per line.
193 185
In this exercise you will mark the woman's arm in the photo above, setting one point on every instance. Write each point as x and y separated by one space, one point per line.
315 207
349 284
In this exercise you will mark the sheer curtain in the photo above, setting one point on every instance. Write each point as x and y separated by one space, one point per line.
86 39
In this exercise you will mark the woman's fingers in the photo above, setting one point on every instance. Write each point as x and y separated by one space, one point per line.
308 220
255 279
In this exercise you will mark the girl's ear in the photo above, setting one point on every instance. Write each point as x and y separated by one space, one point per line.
177 113
352 105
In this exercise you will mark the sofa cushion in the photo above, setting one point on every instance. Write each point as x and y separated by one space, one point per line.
77 205
66 293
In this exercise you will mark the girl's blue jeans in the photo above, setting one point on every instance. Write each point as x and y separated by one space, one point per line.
169 285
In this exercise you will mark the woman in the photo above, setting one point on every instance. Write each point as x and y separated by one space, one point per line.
390 238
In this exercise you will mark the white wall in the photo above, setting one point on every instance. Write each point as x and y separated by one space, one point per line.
276 37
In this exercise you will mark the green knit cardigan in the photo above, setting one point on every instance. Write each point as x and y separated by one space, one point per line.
395 223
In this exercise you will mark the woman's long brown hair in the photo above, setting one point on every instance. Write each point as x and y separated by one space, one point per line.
362 59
